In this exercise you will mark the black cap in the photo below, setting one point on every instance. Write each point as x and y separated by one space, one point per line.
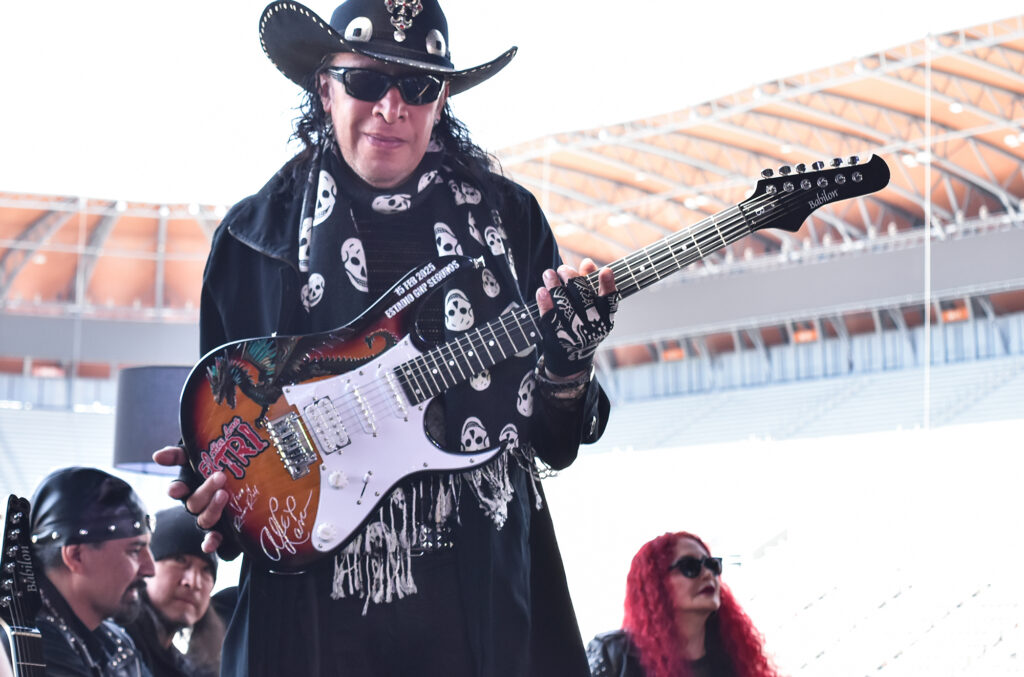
86 505
177 533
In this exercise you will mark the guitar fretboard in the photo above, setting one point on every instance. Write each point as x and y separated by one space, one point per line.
27 645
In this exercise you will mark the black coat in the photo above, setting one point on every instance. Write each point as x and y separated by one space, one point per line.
251 288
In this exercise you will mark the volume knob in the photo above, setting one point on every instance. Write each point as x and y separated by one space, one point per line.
325 531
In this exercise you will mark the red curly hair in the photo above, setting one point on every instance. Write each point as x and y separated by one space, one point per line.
731 639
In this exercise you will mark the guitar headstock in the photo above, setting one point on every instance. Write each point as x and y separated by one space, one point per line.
19 590
785 200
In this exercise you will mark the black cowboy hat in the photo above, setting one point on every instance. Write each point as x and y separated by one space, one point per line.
408 32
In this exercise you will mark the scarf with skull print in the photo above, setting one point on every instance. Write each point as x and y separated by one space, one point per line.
343 221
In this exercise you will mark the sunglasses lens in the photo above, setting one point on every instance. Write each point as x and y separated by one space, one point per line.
419 89
714 565
366 85
689 567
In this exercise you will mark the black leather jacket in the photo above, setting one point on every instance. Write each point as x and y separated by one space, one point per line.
612 654
72 650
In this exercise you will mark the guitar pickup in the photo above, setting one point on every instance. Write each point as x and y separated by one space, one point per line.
323 420
293 445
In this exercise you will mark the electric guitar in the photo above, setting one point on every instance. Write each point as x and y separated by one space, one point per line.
314 431
19 593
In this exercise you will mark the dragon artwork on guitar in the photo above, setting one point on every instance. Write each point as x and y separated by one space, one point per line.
20 599
314 431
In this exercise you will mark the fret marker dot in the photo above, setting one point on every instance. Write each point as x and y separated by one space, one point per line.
451 363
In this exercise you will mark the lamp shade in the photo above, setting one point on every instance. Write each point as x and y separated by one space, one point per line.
146 417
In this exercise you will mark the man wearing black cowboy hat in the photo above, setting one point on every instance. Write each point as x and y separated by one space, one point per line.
457 574
176 597
90 537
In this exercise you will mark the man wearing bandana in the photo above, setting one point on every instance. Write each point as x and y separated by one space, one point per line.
456 574
90 538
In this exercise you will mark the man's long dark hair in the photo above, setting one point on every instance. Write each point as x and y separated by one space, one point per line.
480 166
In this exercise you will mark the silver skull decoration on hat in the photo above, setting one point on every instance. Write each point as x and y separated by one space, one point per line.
406 11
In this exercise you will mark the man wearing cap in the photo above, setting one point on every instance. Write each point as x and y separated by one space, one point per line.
176 597
90 538
457 574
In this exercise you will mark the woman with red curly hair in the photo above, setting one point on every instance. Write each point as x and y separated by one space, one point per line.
680 620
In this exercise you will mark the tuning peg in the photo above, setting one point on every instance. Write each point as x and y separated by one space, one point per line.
7 584
9 568
854 159
801 168
818 165
837 162
767 173
785 170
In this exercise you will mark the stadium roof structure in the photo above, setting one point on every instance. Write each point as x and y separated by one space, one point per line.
946 113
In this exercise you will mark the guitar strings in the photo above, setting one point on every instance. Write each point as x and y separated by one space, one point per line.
672 253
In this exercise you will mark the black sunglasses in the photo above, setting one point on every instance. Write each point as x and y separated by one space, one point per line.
690 566
370 85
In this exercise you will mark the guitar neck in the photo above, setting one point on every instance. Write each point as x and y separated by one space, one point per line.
445 366
673 253
782 202
27 652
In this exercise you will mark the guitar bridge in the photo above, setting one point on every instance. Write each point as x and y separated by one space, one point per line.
292 443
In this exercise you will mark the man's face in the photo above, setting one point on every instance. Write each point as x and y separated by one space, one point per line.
382 141
181 588
112 574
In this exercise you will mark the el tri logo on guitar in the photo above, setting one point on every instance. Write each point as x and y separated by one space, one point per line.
313 432
19 592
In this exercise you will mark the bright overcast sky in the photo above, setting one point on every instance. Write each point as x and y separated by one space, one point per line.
175 102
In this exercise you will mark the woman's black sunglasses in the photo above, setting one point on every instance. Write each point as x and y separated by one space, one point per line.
370 85
690 566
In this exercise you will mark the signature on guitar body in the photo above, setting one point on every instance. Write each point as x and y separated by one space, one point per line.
314 431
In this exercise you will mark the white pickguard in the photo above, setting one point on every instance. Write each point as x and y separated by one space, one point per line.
387 442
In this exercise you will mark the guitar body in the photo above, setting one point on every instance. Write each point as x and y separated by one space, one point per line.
314 431
20 600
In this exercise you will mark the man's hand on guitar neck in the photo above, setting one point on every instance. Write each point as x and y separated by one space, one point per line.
573 320
206 502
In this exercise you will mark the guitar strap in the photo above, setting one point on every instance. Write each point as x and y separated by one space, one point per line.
345 224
